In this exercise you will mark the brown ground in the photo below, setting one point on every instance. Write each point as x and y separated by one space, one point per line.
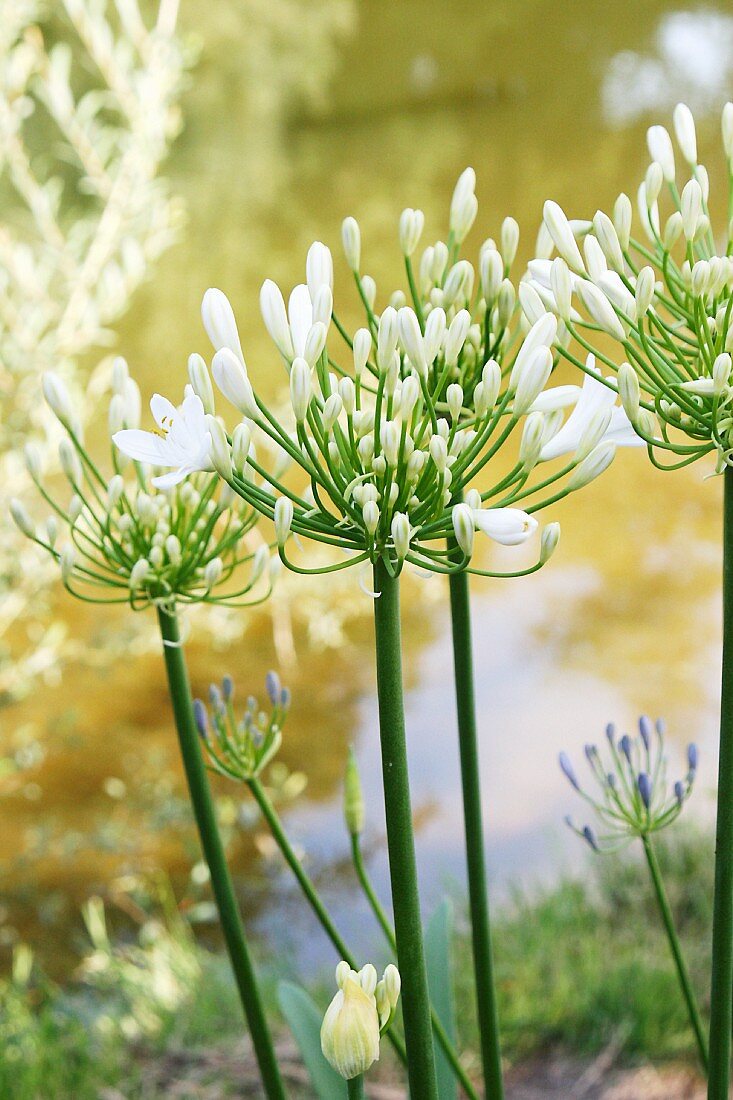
226 1073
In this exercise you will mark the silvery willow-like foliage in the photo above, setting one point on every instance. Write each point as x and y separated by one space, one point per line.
391 443
631 795
143 538
664 295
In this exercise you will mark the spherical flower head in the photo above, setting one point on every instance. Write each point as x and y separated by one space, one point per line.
629 794
390 437
663 293
140 535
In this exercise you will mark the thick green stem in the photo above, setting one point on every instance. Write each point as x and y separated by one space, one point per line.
280 837
205 814
355 1088
721 990
400 839
376 906
676 948
488 1017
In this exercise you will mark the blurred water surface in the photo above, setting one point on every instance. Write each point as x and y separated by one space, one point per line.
381 107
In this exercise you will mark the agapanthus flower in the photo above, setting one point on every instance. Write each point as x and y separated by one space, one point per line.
358 1015
664 295
137 535
241 748
630 793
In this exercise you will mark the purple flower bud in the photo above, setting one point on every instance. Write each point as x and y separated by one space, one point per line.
567 769
590 836
611 781
661 726
610 732
285 698
625 746
645 729
591 752
272 684
215 697
201 718
679 792
645 789
227 687
692 758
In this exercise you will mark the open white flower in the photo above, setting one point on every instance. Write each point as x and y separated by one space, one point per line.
509 526
181 441
594 398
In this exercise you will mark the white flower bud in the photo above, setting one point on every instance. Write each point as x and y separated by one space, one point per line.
318 269
592 466
690 208
241 444
57 398
21 518
653 182
283 518
660 148
454 400
592 433
600 309
219 322
301 389
532 305
629 391
561 282
505 303
323 306
644 291
212 573
389 438
412 340
464 205
562 235
350 1029
221 455
387 337
67 561
410 396
369 290
370 515
509 239
721 372
595 260
362 349
491 380
115 489
456 336
727 131
70 463
491 273
33 461
411 227
332 411
531 379
622 219
230 375
173 549
684 128
201 382
347 393
507 526
532 440
274 314
139 573
607 236
548 541
401 534
315 342
76 507
439 451
351 239
458 283
462 519
435 328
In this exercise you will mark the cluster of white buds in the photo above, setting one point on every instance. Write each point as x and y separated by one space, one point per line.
392 444
241 748
666 297
358 1016
145 538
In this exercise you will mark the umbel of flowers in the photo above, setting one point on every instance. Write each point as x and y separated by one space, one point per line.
150 538
389 437
130 536
664 295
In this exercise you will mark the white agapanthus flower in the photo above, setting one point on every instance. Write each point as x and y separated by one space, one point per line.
182 440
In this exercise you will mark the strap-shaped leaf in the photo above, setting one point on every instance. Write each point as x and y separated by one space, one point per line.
304 1020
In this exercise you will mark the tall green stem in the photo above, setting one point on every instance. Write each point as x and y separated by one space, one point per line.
721 989
400 839
488 1017
355 1088
676 948
205 814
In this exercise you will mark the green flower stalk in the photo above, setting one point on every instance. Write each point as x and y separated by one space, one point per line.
387 447
665 296
149 539
631 798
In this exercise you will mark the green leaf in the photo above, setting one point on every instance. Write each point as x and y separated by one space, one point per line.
305 1021
438 938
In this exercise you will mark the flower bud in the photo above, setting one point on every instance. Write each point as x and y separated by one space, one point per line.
21 518
531 379
300 388
727 131
592 466
600 309
660 148
401 534
219 322
354 812
315 342
622 219
318 269
721 372
139 573
690 208
350 1029
362 349
439 451
532 305
201 382
464 205
462 518
370 515
684 128
456 337
509 239
532 440
351 239
561 282
644 292
491 273
653 181
412 340
241 444
562 235
593 433
221 454
57 398
274 314
67 561
213 572
548 541
332 411
283 518
411 227
628 390
230 375
389 438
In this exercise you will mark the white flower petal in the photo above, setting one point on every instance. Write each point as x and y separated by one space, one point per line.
508 526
